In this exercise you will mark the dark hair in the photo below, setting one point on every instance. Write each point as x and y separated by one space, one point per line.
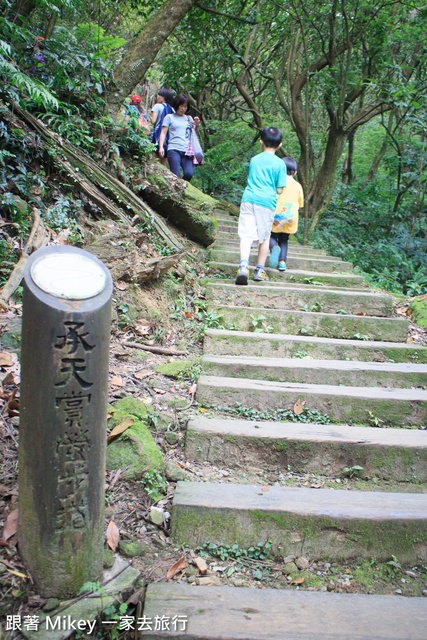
167 95
271 137
179 99
291 166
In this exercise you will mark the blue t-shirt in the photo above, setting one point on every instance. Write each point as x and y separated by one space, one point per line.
266 174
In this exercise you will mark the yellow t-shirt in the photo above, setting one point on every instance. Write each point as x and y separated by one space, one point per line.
288 202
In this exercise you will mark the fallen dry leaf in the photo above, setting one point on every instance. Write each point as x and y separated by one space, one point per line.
161 391
264 489
176 568
316 486
121 286
11 526
9 378
200 563
135 597
120 428
143 327
299 580
17 573
193 389
116 381
6 359
299 407
112 535
410 339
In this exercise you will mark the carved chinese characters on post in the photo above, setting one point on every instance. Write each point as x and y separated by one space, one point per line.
72 448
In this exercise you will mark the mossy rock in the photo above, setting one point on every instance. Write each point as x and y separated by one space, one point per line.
419 311
177 368
132 548
130 407
135 450
183 205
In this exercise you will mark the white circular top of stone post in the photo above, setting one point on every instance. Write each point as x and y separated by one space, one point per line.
68 275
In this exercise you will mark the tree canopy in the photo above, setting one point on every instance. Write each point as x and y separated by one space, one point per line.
344 79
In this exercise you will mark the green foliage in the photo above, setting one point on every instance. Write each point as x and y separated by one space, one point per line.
63 215
352 472
258 324
154 484
226 552
14 83
360 227
277 415
92 37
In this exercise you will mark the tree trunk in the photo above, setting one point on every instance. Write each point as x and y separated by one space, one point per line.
91 178
143 48
50 25
347 173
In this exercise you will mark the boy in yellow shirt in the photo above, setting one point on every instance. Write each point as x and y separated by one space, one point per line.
286 219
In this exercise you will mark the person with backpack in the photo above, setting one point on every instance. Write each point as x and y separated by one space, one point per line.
134 110
160 110
177 126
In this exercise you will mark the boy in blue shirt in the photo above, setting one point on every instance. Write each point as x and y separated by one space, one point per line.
267 177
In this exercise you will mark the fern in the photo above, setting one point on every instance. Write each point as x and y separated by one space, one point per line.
29 86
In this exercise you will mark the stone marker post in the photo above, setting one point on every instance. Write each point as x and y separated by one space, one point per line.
64 394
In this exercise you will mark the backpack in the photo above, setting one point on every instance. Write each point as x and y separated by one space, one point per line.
132 111
155 136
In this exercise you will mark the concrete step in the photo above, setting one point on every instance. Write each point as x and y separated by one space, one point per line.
234 243
294 251
292 275
389 375
284 284
293 262
264 295
229 236
239 613
239 343
396 407
327 325
398 455
336 525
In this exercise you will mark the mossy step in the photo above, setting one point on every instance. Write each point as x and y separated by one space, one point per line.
233 244
295 251
293 297
285 284
236 343
353 374
297 276
241 613
400 407
324 265
388 454
324 524
328 325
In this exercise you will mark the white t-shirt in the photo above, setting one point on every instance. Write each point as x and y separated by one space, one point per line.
179 129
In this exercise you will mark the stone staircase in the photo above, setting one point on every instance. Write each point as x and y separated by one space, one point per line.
325 343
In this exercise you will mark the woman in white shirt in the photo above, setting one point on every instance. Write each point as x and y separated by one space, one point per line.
178 127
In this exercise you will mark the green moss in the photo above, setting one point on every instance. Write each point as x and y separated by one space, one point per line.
135 451
177 368
419 311
130 407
